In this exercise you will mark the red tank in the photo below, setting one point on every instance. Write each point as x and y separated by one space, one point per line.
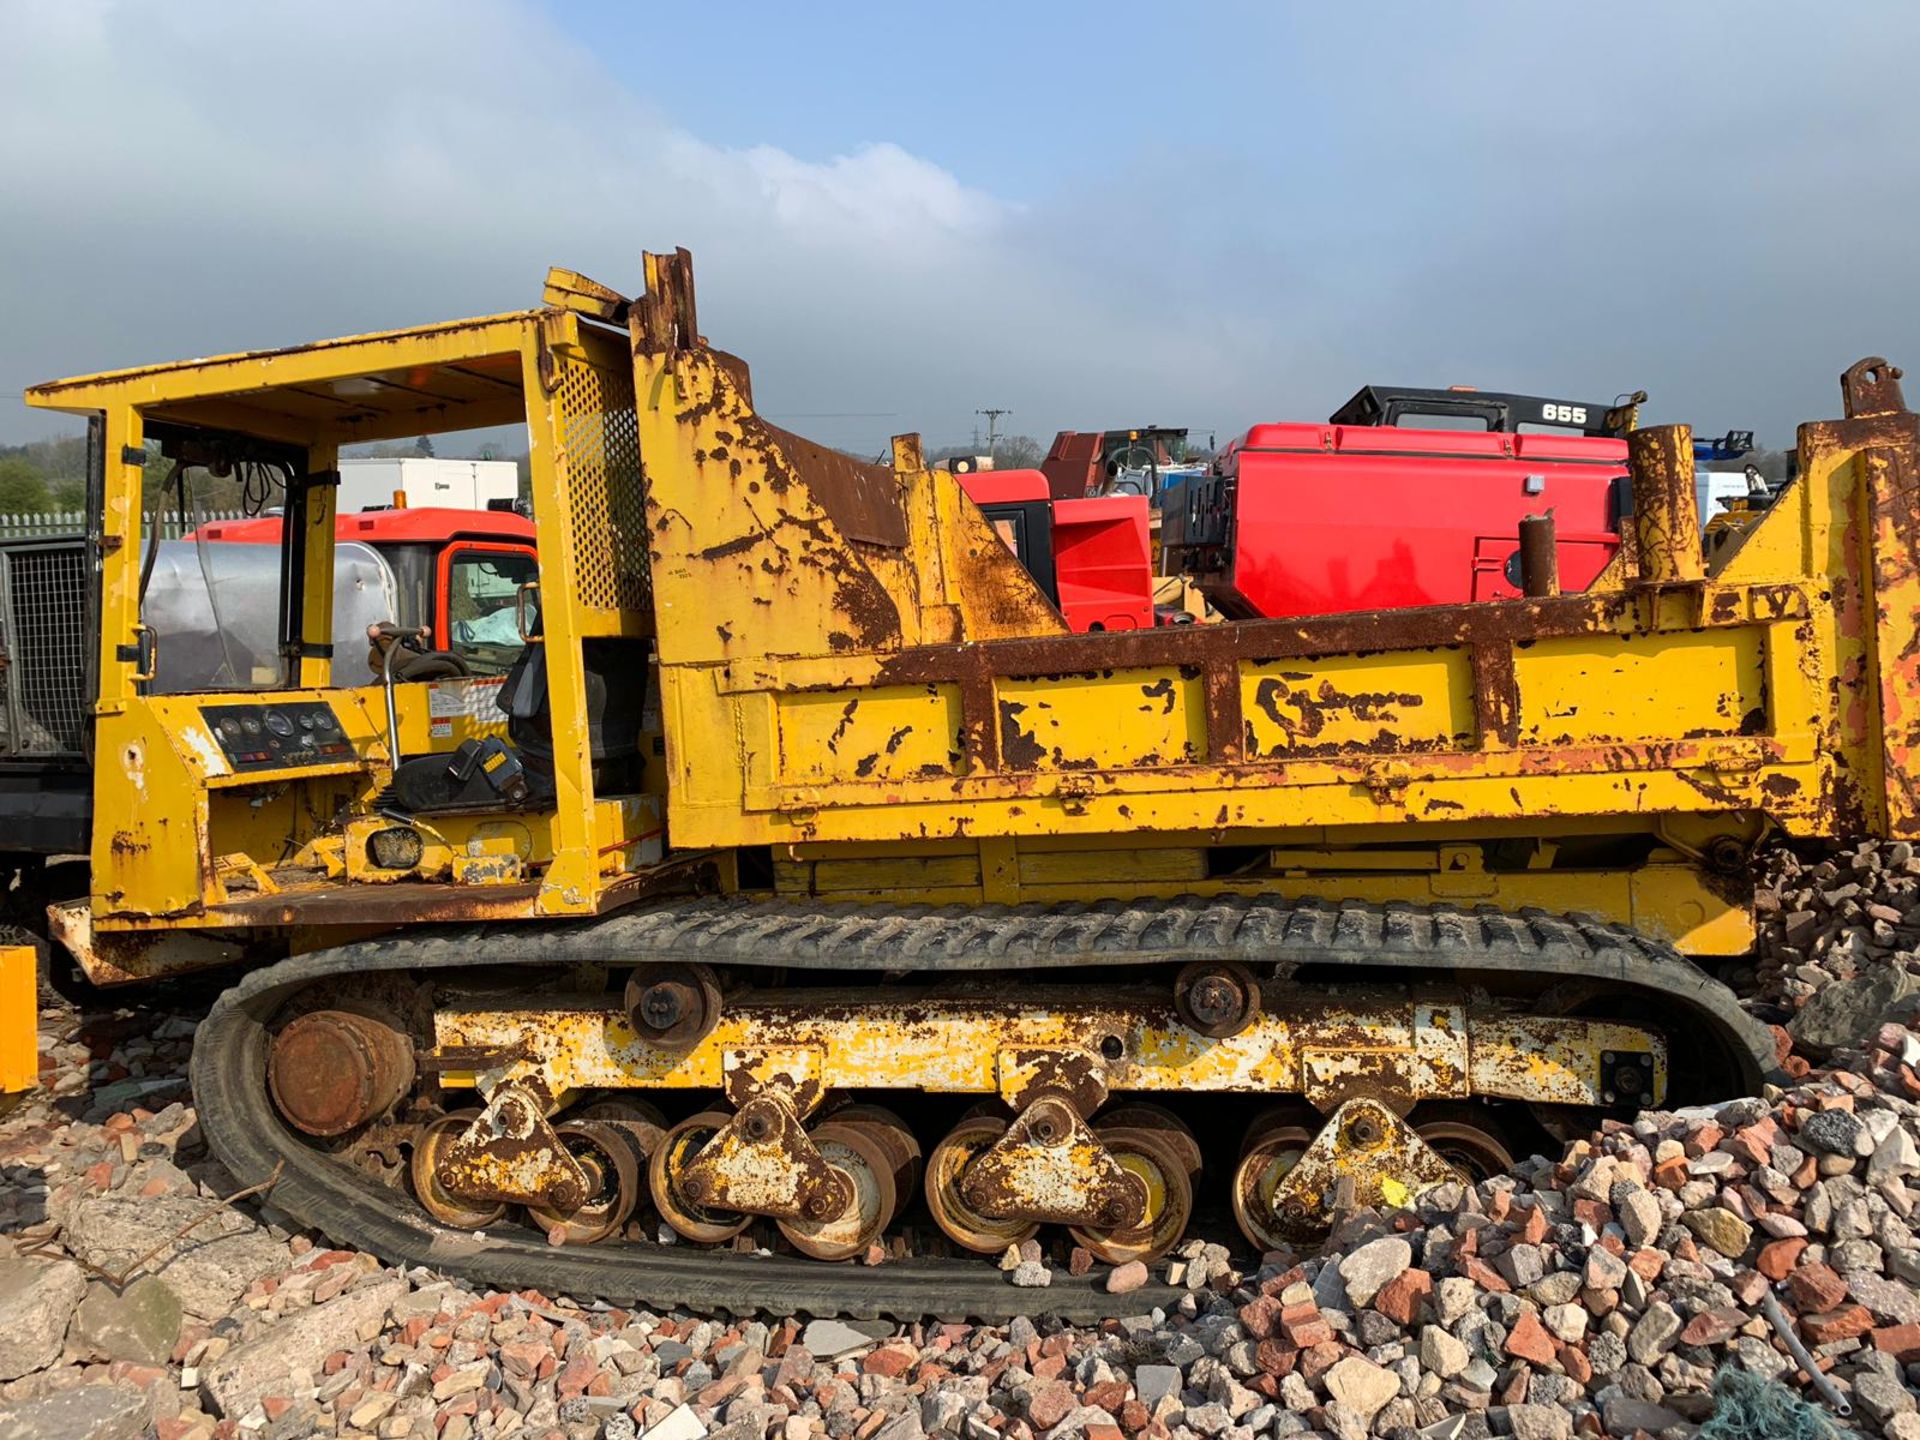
1305 519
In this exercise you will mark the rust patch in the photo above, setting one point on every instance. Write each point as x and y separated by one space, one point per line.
1018 748
736 546
840 730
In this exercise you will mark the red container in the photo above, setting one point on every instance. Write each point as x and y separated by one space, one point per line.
1304 519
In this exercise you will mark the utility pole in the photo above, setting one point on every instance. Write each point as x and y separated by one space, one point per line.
993 422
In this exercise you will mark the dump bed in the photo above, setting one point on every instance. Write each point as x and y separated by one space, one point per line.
872 682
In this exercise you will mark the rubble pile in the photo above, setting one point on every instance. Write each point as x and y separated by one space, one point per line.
1851 916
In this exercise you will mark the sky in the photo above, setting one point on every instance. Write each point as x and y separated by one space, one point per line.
1094 215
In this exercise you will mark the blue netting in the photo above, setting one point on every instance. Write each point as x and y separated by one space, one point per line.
1751 1408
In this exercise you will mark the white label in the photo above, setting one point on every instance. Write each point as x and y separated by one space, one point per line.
471 698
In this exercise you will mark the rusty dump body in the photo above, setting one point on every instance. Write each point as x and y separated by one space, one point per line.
856 903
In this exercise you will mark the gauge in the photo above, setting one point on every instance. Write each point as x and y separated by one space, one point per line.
250 725
230 728
278 723
306 722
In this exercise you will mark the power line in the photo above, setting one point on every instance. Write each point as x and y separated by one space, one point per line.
993 422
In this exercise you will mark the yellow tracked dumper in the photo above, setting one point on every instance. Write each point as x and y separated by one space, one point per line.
807 888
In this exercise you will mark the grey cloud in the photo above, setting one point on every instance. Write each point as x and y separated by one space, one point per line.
1513 197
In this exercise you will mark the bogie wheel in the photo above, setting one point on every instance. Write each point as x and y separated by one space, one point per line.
449 1209
1273 1146
1145 1115
900 1143
1156 1162
964 1225
664 1168
611 1162
1467 1138
868 1166
639 1121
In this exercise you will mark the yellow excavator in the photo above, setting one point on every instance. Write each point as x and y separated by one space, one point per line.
807 887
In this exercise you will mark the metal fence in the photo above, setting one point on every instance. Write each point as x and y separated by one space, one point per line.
60 524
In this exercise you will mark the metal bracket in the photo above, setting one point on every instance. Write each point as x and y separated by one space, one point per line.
1626 1078
1366 1148
1077 1075
1872 387
1050 1167
1386 784
1331 1076
762 1161
510 1152
746 1075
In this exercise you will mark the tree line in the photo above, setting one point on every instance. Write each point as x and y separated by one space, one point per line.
43 476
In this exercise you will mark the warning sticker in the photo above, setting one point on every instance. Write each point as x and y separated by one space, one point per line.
474 699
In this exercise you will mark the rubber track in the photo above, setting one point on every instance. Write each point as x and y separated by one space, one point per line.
230 1051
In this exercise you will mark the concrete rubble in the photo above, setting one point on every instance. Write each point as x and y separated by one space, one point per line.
1593 1293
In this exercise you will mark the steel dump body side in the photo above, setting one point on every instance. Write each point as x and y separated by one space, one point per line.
869 709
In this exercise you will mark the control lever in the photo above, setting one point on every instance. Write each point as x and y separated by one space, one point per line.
387 637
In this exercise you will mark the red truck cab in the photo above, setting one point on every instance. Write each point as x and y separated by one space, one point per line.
1091 557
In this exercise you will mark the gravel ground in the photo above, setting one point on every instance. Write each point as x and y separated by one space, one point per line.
1594 1293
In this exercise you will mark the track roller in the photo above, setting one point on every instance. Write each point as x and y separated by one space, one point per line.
640 1122
611 1162
1274 1144
664 1170
1216 998
946 1166
673 1006
855 1150
1145 1115
1156 1160
428 1147
902 1147
1466 1137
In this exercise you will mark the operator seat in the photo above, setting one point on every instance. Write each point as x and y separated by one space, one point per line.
614 707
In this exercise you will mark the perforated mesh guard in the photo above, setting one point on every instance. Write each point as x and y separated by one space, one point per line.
47 669
600 441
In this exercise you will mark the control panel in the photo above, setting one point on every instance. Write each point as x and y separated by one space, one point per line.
284 735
